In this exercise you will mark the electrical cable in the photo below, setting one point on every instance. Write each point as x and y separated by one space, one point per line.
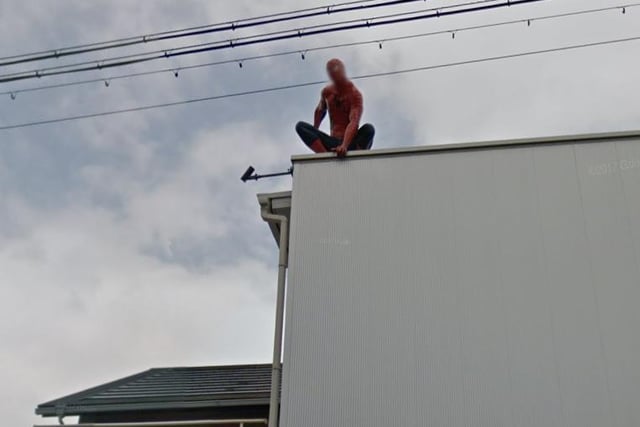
215 45
250 40
316 83
351 6
380 42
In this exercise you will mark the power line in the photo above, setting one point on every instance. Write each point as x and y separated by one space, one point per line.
215 45
351 6
316 83
303 52
260 39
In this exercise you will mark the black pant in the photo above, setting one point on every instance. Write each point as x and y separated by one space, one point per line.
362 141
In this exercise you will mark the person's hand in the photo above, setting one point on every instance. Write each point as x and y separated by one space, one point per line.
341 150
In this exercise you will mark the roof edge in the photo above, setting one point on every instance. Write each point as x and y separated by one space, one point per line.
59 405
71 411
265 198
278 203
473 145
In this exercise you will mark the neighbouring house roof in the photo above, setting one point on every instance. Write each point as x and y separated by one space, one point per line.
170 389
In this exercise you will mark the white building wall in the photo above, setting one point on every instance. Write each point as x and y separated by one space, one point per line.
485 287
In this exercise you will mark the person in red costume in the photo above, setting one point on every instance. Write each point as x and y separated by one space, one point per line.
343 101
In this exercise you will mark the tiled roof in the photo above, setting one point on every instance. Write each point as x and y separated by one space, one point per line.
170 389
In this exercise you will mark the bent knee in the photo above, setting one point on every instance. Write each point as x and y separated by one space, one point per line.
368 127
302 126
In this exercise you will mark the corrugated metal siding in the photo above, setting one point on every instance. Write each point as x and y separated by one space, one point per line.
489 287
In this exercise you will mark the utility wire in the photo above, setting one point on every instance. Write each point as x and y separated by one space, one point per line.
316 83
304 52
264 38
216 45
351 6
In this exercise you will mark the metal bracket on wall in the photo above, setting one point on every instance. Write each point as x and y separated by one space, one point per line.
249 174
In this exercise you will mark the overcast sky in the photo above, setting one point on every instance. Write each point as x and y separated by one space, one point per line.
128 242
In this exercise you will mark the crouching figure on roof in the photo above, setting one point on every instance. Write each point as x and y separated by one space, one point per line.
343 101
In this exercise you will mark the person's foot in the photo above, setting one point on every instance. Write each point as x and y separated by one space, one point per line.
317 146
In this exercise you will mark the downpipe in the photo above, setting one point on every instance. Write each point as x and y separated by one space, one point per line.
276 368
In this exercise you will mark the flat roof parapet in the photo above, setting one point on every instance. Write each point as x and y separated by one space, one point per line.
397 151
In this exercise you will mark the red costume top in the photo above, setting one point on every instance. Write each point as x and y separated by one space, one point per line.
344 102
345 110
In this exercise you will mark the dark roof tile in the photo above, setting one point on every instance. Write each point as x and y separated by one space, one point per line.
170 389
